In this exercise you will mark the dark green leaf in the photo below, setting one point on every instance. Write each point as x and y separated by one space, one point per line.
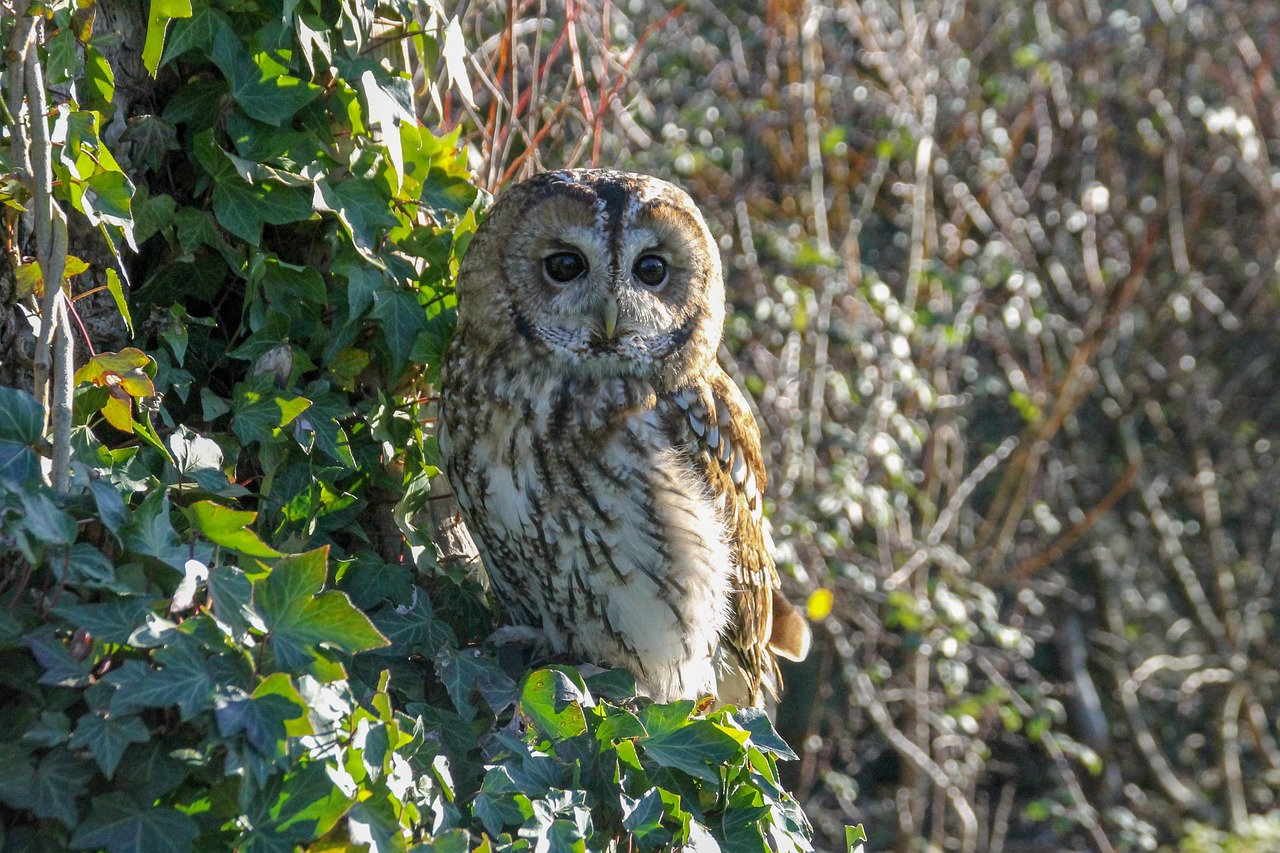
763 735
107 736
402 318
415 630
112 621
60 668
662 719
111 509
121 825
45 520
58 781
19 467
149 533
182 680
21 418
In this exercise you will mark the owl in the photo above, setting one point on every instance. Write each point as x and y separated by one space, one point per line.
607 467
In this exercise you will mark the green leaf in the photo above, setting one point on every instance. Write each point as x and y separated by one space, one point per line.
229 528
259 88
363 207
121 825
99 82
150 533
300 618
107 736
659 720
58 781
415 630
111 509
45 520
162 11
60 668
263 720
21 417
763 735
854 838
183 680
309 805
242 208
698 748
402 318
554 703
19 467
258 414
619 725
231 594
117 293
111 621
107 198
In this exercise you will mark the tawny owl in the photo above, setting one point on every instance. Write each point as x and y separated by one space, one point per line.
607 467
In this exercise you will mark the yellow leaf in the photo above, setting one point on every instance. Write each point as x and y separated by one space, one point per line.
819 605
29 280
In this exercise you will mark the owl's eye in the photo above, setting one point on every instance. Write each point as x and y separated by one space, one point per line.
564 267
651 270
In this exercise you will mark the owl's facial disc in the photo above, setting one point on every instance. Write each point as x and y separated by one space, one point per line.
612 271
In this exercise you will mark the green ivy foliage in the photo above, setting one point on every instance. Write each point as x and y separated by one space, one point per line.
205 645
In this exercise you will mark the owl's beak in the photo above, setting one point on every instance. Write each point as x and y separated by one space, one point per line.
610 314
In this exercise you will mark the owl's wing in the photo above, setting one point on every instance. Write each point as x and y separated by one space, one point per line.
713 421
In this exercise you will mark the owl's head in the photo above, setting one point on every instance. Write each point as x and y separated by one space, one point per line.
611 273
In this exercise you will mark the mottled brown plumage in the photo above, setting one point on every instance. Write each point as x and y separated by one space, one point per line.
607 467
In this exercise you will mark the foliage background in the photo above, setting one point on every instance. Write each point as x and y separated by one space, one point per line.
1003 280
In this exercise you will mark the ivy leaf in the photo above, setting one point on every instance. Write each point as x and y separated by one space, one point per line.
362 207
183 679
554 703
229 528
660 720
150 533
264 720
763 734
231 594
45 520
60 668
107 736
121 825
242 208
257 83
21 418
698 748
112 621
309 805
19 467
199 458
258 413
161 12
402 318
58 780
299 617
416 629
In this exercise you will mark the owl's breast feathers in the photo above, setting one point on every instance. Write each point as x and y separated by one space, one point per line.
624 522
592 526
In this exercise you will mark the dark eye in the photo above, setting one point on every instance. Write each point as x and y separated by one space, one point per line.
564 267
651 270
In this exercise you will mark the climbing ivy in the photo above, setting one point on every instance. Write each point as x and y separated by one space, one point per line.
212 639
